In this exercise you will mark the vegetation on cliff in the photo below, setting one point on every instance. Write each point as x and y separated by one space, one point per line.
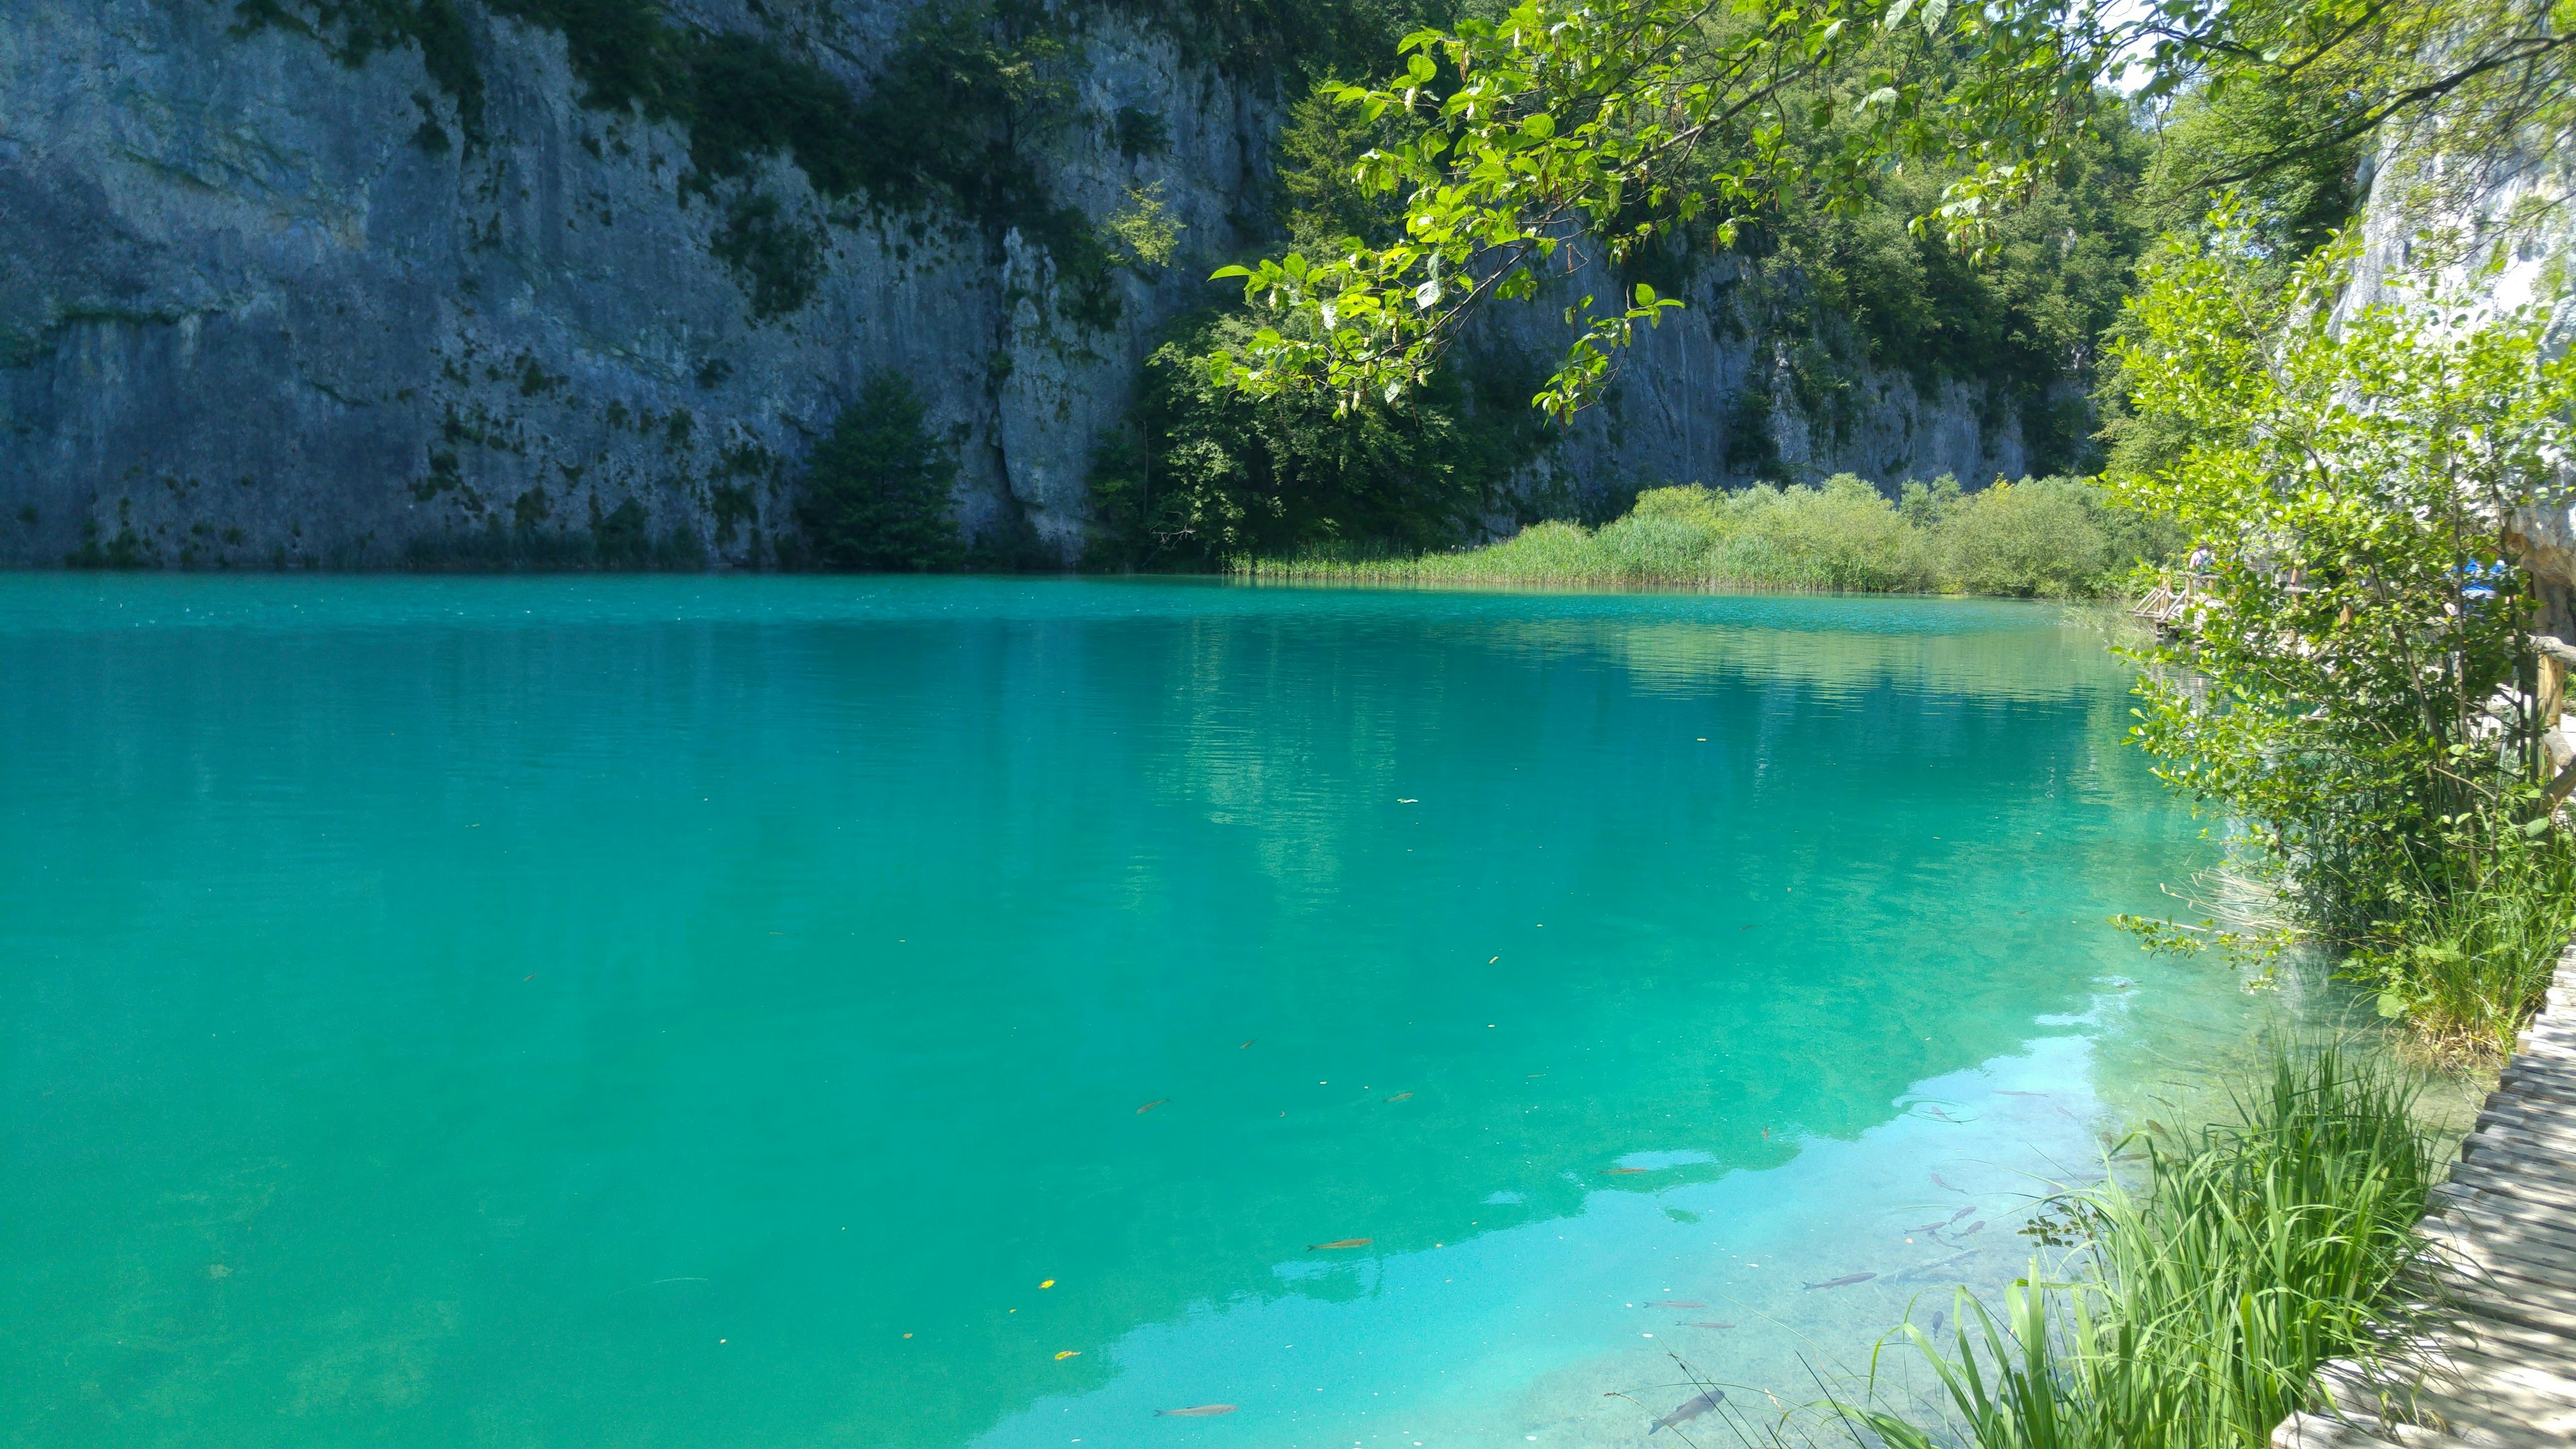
875 492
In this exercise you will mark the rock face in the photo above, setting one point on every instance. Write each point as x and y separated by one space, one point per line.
270 300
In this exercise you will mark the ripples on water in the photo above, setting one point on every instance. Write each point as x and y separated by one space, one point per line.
705 1011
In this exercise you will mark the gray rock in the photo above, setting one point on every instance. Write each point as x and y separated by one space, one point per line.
248 319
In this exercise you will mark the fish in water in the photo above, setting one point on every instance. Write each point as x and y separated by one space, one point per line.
1339 1243
1937 1181
1248 1043
1961 1213
1621 1171
1845 1281
1970 1228
1195 1411
1935 1111
1691 1410
2009 1092
1676 1303
1708 1325
1400 1096
1150 1106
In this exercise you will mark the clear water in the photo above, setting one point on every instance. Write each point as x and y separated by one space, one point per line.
709 1012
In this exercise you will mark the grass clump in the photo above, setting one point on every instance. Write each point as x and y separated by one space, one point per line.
2469 959
2203 1302
2043 538
875 495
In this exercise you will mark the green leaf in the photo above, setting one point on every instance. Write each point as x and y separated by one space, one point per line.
1645 295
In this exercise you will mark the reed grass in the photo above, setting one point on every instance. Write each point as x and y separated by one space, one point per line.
2470 961
2046 538
2204 1300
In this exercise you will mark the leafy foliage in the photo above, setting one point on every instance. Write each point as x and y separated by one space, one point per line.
1219 474
2468 964
875 494
2046 538
2342 684
1609 123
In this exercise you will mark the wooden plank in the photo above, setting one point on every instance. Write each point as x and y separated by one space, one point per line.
2504 1140
2458 1194
2541 1378
2451 1401
2553 1262
2521 1302
2520 1185
2536 1084
2548 1140
2534 1094
2495 1360
2526 1073
2499 1408
2499 1337
2319 1431
2535 1231
2516 1175
2532 1177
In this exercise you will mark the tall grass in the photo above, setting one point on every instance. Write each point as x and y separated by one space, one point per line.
2203 1301
2046 537
2470 960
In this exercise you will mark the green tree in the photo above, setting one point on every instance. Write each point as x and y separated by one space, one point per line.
1609 123
875 496
2341 682
1219 474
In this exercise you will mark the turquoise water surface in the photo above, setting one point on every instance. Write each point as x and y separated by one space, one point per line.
710 1012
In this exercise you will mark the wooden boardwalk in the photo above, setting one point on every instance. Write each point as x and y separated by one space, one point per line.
2501 1370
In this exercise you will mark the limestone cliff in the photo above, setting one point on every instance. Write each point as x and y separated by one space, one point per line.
277 291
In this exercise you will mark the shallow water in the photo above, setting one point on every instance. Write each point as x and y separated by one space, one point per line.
709 1011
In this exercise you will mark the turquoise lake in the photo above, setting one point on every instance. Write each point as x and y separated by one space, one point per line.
709 1011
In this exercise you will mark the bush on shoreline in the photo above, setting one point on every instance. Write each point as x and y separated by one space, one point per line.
2051 538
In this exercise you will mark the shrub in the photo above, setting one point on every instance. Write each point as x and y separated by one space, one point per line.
2041 536
876 492
2048 537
